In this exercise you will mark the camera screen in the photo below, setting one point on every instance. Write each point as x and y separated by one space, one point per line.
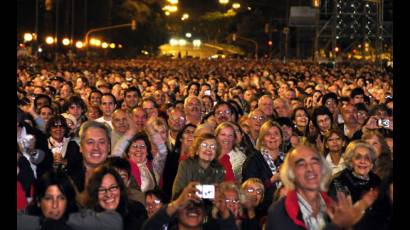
206 191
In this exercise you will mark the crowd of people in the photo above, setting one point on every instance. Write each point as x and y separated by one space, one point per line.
203 144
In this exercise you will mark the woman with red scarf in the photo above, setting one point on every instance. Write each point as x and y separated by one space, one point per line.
145 168
231 158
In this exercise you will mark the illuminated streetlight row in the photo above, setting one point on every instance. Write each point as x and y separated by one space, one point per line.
50 40
183 42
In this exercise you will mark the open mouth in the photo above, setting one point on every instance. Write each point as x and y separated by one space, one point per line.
96 155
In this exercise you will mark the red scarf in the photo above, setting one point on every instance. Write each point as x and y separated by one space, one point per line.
225 162
21 197
135 171
292 206
183 157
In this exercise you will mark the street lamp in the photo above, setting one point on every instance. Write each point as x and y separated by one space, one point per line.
28 37
79 44
49 40
197 43
66 41
223 2
173 42
112 45
236 5
184 17
97 42
188 35
182 42
174 2
104 45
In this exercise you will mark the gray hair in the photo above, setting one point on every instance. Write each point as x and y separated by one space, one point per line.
287 175
94 124
350 152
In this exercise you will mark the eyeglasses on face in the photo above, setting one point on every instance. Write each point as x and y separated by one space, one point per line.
138 146
111 189
208 146
153 204
226 112
258 118
232 201
251 190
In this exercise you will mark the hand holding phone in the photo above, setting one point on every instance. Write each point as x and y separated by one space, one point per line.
384 123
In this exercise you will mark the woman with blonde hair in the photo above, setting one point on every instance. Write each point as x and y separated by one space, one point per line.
231 157
264 164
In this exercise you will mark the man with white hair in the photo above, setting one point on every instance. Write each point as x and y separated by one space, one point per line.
305 175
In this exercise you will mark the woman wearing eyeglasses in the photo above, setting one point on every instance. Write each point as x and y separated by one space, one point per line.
54 207
252 191
357 179
66 151
106 192
144 167
202 166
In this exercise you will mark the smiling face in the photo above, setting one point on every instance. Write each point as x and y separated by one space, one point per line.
272 138
307 167
207 150
95 147
361 161
54 203
191 216
57 131
138 151
226 138
301 118
109 193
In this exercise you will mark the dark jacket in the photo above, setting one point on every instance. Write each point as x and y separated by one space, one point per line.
77 175
41 143
356 136
246 145
256 166
286 214
26 175
379 215
160 220
357 187
135 217
73 156
169 173
190 170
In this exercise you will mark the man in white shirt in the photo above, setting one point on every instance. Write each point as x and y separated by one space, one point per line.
108 105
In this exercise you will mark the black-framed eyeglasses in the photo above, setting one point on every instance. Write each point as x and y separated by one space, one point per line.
111 189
